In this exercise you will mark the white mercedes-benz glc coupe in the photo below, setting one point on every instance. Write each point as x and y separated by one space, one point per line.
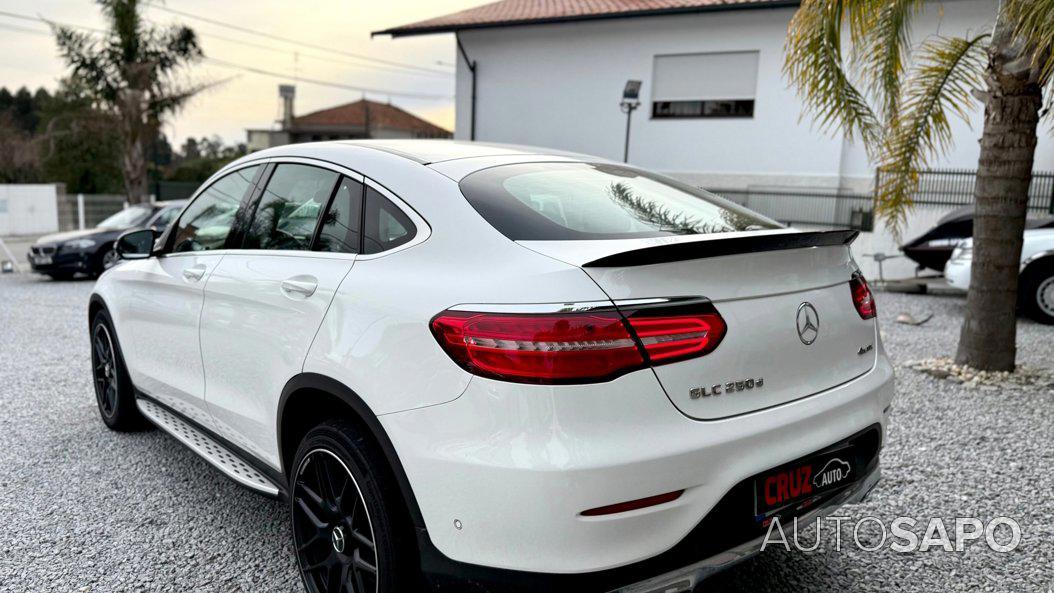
484 367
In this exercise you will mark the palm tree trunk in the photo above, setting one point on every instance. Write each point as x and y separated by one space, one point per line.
1004 173
135 175
133 161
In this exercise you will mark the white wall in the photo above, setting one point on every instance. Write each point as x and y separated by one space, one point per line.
559 85
28 209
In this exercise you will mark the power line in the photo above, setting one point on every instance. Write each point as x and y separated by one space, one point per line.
18 29
38 19
297 42
251 69
318 57
337 85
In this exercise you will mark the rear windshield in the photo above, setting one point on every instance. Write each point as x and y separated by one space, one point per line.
575 201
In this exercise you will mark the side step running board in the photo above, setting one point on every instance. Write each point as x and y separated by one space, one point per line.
207 447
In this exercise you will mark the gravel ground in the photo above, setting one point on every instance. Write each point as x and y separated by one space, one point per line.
86 509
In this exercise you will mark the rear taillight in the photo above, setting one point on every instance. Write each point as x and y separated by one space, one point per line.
863 300
670 337
538 348
584 347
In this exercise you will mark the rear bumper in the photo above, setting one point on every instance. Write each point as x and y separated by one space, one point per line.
685 579
502 474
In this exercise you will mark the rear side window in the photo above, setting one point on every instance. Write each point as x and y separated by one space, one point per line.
577 201
385 225
289 208
206 223
343 220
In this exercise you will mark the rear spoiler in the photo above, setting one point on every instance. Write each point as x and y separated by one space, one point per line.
719 247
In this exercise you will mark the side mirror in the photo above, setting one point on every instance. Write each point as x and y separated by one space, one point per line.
137 244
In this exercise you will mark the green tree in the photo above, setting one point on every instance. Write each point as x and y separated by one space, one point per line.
80 144
132 73
858 72
19 153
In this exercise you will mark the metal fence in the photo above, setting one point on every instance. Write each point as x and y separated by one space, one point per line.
836 209
947 188
956 188
97 207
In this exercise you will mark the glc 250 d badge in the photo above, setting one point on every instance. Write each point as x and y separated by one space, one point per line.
730 387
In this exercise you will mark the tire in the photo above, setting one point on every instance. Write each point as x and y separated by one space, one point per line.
107 260
61 275
1037 292
113 388
337 473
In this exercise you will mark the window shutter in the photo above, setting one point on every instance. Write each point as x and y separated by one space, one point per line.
700 77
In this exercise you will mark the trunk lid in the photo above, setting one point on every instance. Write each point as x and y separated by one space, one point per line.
784 281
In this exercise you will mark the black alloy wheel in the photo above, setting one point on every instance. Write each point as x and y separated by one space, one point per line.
332 530
104 370
113 387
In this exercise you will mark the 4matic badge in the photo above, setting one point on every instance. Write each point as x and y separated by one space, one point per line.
730 387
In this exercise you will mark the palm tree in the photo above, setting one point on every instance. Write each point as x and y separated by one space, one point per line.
855 66
131 72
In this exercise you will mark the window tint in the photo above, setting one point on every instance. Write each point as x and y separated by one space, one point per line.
340 226
207 221
289 208
568 201
386 226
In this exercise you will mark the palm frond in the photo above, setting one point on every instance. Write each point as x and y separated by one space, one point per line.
1033 22
946 71
884 32
84 55
815 67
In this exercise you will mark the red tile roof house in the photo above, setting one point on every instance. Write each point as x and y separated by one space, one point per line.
359 119
715 108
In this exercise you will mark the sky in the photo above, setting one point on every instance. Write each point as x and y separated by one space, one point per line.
242 99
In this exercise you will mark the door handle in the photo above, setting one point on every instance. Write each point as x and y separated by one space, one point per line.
303 286
194 273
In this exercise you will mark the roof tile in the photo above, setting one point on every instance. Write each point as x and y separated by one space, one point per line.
382 115
510 12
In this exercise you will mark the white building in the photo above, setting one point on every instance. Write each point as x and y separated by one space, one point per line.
552 74
716 110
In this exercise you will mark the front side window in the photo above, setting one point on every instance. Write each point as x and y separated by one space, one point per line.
721 84
289 208
573 201
343 219
386 226
207 221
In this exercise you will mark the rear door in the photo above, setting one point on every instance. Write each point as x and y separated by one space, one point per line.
265 301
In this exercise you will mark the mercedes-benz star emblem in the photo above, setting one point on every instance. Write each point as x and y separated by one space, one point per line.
338 539
808 323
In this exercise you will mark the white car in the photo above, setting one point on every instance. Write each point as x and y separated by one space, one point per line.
1036 276
498 367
